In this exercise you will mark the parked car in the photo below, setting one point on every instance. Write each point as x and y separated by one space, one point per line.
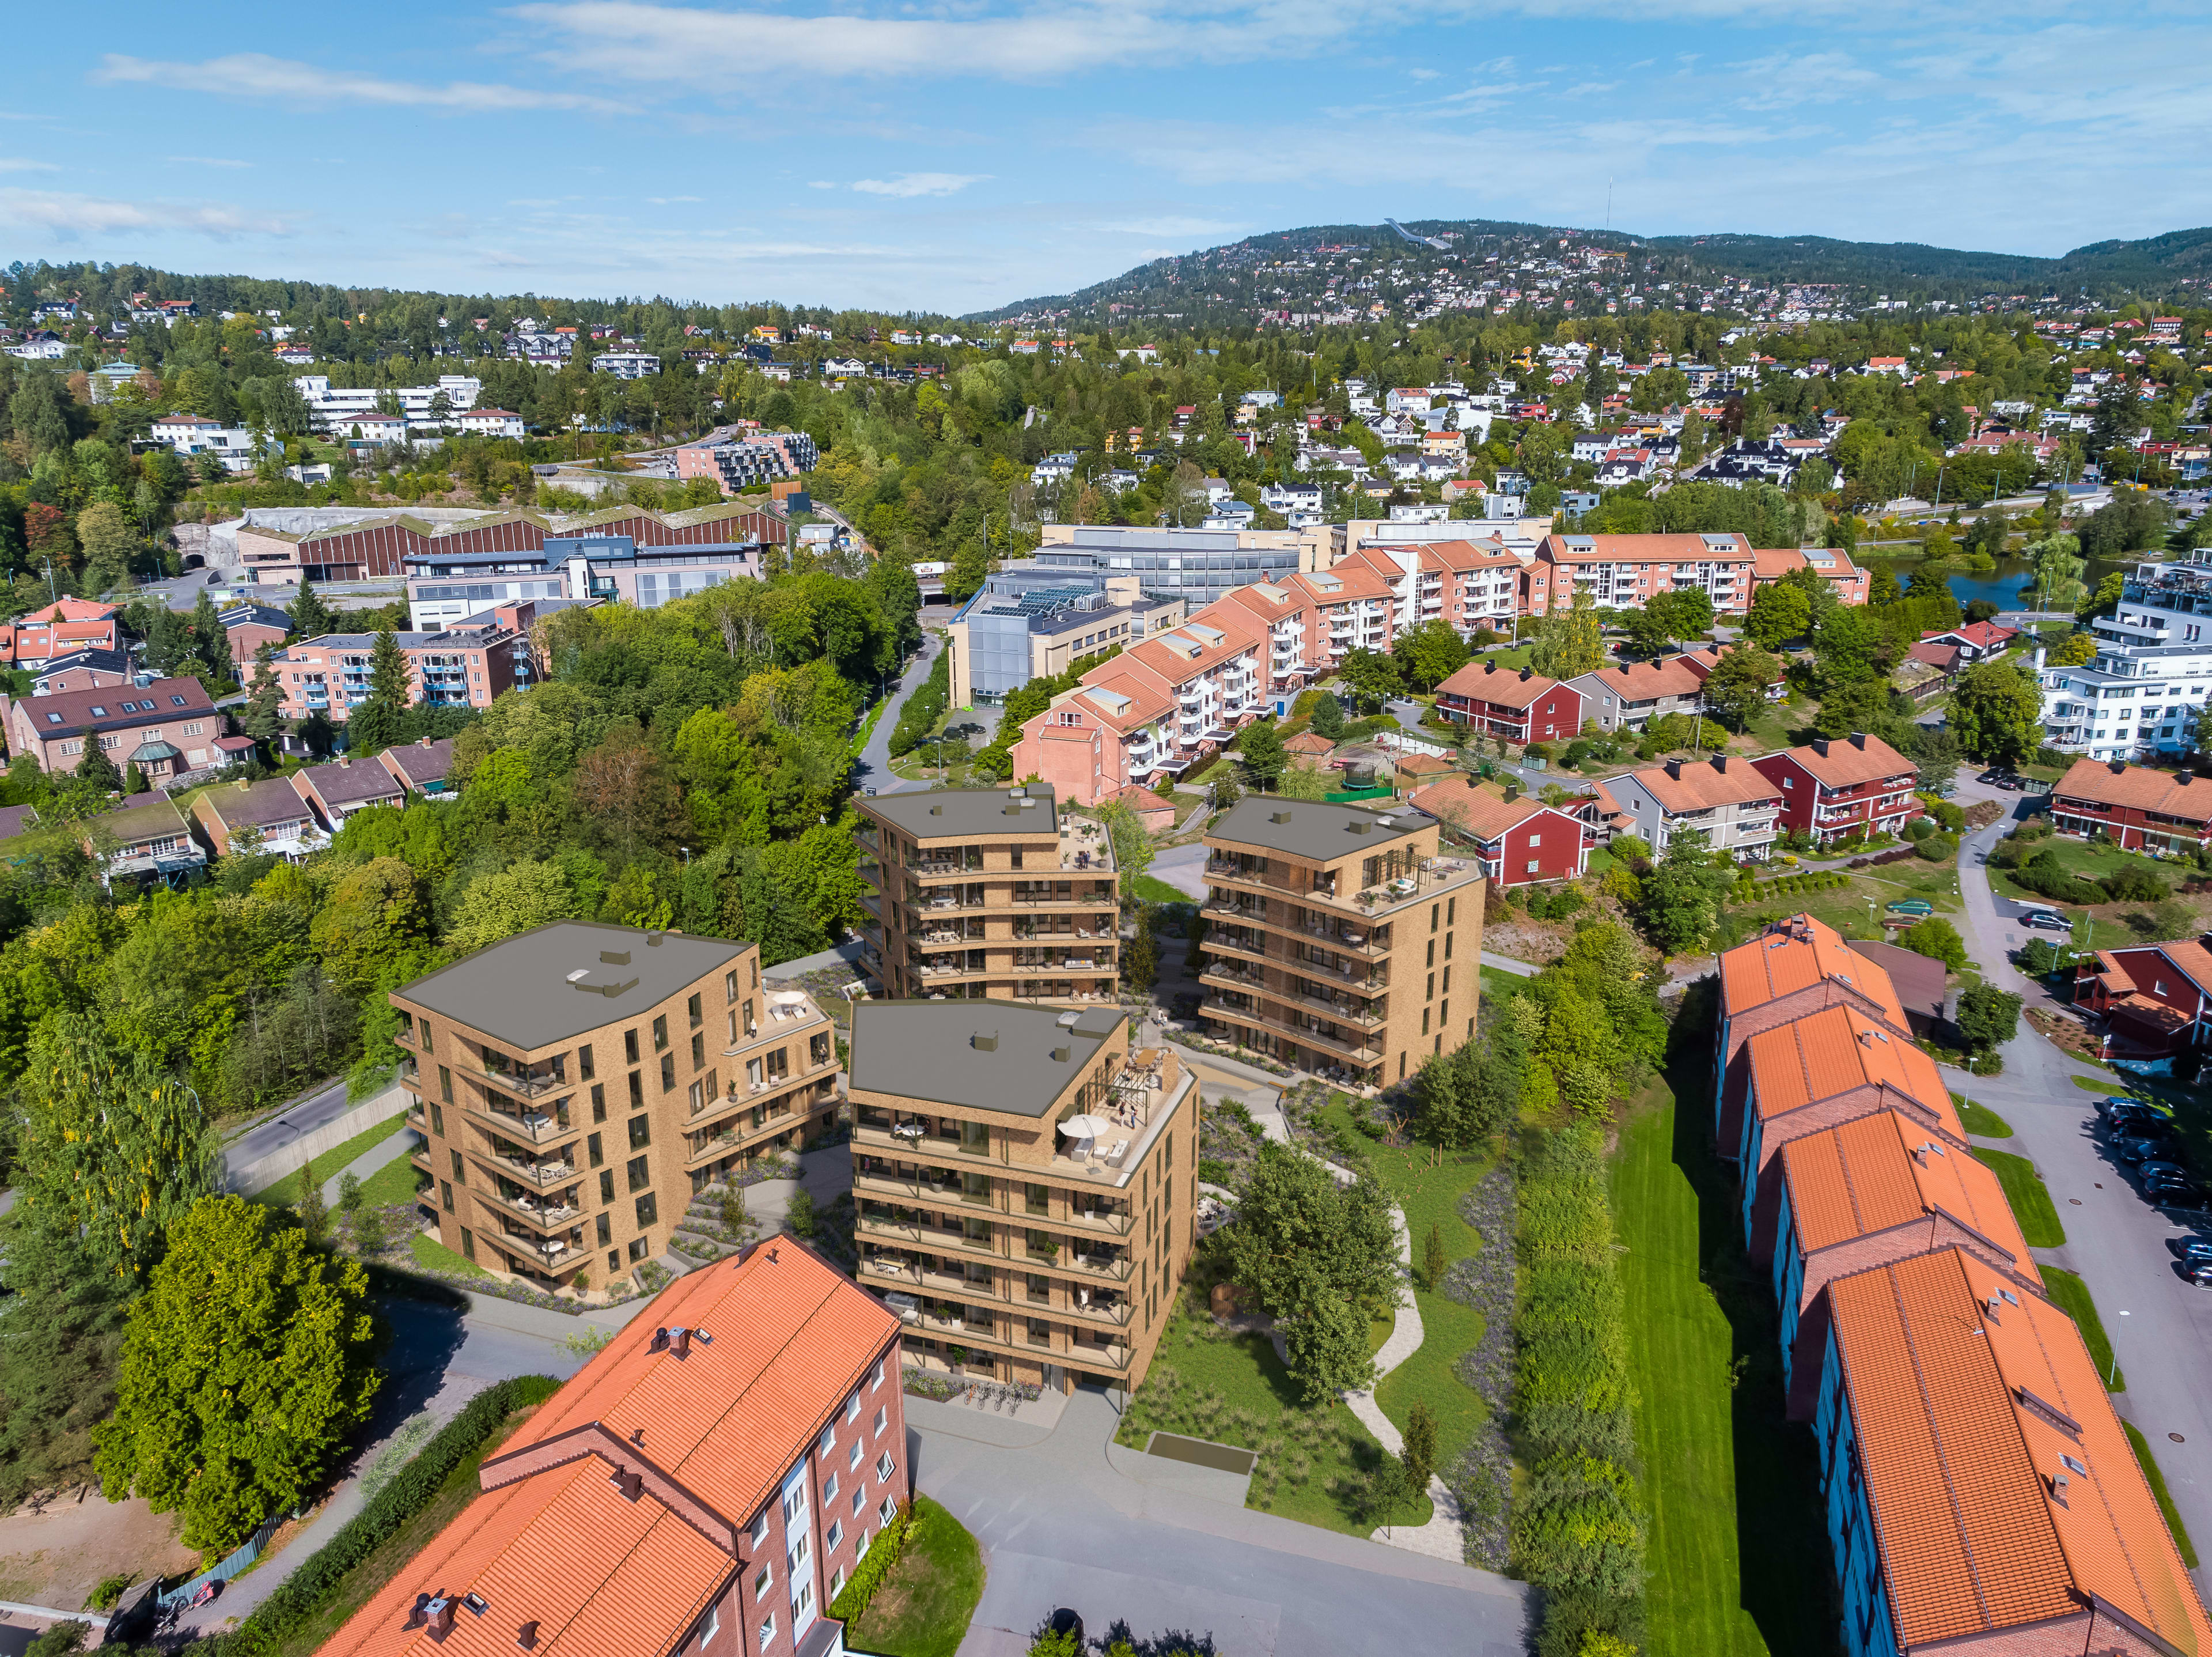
2197 1251
2001 779
2126 1104
1912 907
2124 1116
2149 1152
2140 1124
2171 1188
2042 920
2200 1274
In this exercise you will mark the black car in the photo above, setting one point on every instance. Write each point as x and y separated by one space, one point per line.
2179 1192
2042 920
2141 1125
2154 1168
2197 1251
2127 1113
2145 1151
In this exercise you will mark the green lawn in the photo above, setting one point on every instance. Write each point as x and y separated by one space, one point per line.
1847 908
1982 1120
2071 1296
2031 1203
1430 1197
1151 889
2079 857
286 1187
2157 1479
1737 1561
1232 1389
1497 981
429 1252
395 1182
924 1604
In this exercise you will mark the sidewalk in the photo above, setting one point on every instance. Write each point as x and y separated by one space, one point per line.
381 1154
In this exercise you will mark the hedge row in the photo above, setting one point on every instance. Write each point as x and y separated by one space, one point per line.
1578 1524
875 1564
924 707
1789 884
316 1583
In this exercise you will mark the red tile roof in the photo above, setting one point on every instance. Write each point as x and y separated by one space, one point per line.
1883 1171
1793 955
1838 1050
1487 682
1849 761
1694 785
563 1547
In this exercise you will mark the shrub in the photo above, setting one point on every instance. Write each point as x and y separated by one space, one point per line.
1952 817
1938 939
868 1576
2039 957
1939 848
1578 1527
2135 885
1986 1064
1919 828
311 1588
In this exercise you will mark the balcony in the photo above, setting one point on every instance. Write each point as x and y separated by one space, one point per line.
540 1173
941 868
948 971
1351 1048
953 899
530 1083
547 1213
534 1127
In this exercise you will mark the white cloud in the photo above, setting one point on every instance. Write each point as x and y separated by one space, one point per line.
919 184
664 201
1423 74
204 161
255 75
70 215
19 164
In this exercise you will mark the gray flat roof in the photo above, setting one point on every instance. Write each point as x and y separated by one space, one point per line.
520 992
973 813
927 1050
1316 829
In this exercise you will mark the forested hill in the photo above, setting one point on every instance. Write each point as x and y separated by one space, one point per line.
1331 267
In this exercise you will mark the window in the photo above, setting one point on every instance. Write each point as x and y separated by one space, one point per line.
836 1584
802 1603
446 1195
584 1070
758 1529
885 1467
444 1075
730 987
438 1120
828 1439
860 1500
709 1626
853 1407
698 1053
882 1417
629 1047
647 1212
639 1177
637 1089
668 1073
660 1033
767 1631
606 1185
595 1150
889 1511
860 1547
598 1099
876 1379
606 1230
830 1493
691 1010
764 1578
468 1243
457 1174
853 1461
640 1132
835 1537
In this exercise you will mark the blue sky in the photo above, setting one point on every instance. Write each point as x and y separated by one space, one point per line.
966 154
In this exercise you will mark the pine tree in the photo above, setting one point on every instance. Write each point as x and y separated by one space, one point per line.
263 718
315 1218
210 642
310 617
134 780
1418 1458
380 721
1433 1263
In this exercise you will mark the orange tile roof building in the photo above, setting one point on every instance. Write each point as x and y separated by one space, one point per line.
1873 1190
1521 706
1624 572
1631 695
2142 809
1725 800
1982 1498
1818 1072
1797 966
706 1485
1520 840
1771 565
1831 790
2157 997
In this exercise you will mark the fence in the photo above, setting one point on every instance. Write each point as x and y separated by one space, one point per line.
229 1568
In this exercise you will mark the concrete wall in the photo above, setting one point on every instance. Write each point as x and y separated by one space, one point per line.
258 1175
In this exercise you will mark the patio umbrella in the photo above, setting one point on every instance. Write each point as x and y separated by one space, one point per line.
1086 1127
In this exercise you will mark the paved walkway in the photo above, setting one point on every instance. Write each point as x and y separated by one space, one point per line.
383 1154
2161 1326
1507 964
873 768
1074 1520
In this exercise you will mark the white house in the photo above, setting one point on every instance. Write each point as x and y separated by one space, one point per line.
336 405
626 365
492 423
371 426
194 433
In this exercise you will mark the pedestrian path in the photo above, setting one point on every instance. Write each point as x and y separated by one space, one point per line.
381 1154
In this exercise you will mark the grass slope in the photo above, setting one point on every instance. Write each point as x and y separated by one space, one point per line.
2030 1203
1738 1561
924 1604
2157 1477
2071 1296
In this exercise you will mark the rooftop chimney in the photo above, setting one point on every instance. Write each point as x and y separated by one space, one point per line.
1821 746
1490 666
983 1044
526 1636
679 1341
1512 792
440 1614
1674 770
632 1486
1526 675
1858 741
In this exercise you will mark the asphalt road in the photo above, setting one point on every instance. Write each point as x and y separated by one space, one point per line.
2121 1247
288 1125
873 768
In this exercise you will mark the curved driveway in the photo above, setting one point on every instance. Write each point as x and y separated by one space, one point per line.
872 770
2161 1326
